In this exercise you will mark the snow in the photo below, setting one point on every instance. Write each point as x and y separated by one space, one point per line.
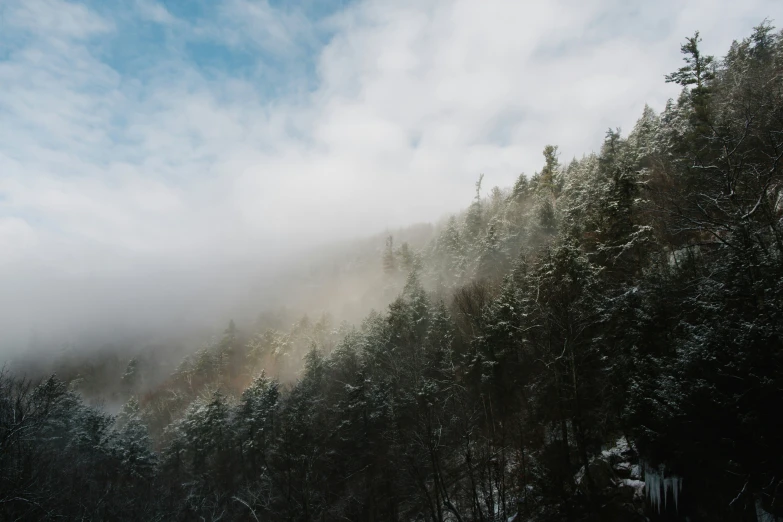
637 485
762 514
616 451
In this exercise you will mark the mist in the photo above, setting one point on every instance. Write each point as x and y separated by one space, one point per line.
162 169
49 309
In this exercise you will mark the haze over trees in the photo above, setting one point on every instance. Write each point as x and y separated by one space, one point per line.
601 341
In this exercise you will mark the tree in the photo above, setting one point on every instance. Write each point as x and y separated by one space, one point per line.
474 220
698 74
389 264
698 70
547 180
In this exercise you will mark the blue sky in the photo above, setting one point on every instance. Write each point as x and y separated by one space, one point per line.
147 135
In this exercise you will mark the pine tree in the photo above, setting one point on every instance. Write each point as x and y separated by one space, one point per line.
698 74
474 220
389 263
548 179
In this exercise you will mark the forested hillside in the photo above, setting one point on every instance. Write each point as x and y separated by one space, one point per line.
601 341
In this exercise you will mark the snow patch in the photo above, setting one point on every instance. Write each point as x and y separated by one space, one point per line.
638 487
762 515
616 451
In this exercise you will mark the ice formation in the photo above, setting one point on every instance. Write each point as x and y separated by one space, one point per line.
655 481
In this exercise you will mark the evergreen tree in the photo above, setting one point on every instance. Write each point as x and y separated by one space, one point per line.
389 264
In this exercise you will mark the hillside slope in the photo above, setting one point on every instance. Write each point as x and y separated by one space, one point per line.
601 341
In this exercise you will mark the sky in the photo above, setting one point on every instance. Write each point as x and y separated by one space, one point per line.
154 151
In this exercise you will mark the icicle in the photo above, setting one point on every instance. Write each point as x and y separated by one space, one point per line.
652 480
662 481
655 481
667 484
676 488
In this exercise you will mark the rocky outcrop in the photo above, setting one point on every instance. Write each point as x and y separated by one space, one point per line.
616 484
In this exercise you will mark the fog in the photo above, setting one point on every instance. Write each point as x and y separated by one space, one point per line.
46 310
164 169
137 303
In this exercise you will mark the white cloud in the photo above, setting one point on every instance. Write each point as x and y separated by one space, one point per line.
56 18
155 12
413 101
